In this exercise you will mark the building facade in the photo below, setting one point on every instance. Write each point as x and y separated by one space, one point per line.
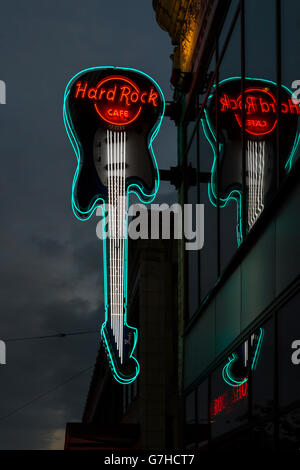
219 328
235 64
145 414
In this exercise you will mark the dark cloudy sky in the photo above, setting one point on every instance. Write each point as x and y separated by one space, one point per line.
51 279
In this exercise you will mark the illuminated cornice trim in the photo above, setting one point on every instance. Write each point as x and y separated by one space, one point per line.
182 20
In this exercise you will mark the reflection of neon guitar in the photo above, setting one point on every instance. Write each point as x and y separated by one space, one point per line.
235 369
112 115
261 122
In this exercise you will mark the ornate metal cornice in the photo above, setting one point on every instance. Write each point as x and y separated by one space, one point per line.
182 19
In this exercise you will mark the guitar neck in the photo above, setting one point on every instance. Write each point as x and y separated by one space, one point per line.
117 230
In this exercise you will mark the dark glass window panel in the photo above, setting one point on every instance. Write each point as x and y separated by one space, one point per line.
260 23
289 430
193 255
124 401
289 373
192 159
129 394
290 13
193 284
192 191
238 440
135 389
189 130
228 405
228 232
202 403
202 415
263 435
261 62
227 23
193 112
229 67
263 375
191 120
190 408
209 252
231 62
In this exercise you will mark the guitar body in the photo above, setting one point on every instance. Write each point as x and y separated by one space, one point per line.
112 116
260 133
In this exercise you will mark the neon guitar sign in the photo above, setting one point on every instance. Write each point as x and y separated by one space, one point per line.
112 116
236 378
261 124
261 109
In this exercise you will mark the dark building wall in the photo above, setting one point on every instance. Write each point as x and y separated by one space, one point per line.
270 269
158 292
156 404
227 292
150 402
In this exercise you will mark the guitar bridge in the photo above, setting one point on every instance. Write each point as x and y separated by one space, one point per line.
116 166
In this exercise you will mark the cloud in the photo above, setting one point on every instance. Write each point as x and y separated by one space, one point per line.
51 265
57 440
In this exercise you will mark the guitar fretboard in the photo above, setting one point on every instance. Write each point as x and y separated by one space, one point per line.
256 153
116 167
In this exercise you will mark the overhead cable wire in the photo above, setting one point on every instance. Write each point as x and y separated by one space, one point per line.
42 395
56 335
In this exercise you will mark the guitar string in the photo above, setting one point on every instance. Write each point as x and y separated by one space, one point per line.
256 154
121 264
123 236
108 137
120 208
115 169
118 236
121 244
111 228
112 208
117 219
121 241
262 171
112 231
114 234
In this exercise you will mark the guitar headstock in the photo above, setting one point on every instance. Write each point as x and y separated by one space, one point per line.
125 369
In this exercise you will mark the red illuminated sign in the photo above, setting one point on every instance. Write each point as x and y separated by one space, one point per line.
117 99
261 109
224 403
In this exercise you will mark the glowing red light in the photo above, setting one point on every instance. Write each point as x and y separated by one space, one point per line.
240 392
119 111
261 109
219 404
225 403
117 99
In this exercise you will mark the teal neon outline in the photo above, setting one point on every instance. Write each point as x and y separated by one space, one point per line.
226 374
227 377
258 349
133 188
236 194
